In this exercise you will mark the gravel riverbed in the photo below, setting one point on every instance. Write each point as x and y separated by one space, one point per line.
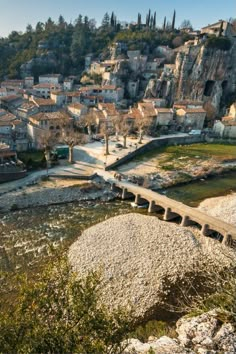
144 260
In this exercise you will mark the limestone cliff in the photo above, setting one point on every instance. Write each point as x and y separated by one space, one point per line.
201 74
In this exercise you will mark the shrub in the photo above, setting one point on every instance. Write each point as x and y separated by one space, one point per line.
218 43
59 313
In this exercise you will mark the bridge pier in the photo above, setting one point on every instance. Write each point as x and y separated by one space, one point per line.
124 194
151 207
113 187
185 221
227 240
137 199
169 215
204 230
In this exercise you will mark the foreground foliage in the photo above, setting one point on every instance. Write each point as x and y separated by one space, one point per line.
59 313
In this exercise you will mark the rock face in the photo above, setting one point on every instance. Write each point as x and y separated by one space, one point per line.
200 74
145 261
203 334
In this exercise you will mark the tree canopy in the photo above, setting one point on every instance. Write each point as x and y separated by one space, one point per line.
60 313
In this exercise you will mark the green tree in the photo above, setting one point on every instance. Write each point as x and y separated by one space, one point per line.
106 20
59 313
173 21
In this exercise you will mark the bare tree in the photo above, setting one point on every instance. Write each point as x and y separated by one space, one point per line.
106 130
72 137
125 128
142 124
89 120
117 121
46 139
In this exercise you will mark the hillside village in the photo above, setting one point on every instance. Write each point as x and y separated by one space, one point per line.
170 90
117 187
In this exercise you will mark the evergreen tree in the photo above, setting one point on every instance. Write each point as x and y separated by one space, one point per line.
154 21
164 24
106 20
173 21
112 20
139 22
61 22
148 18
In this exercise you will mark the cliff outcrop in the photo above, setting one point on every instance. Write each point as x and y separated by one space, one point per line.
199 73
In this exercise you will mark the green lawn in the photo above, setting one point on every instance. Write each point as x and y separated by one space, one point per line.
195 152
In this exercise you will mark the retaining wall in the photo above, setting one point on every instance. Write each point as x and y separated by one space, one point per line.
159 142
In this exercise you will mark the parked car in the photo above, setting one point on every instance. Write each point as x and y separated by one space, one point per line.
118 145
195 132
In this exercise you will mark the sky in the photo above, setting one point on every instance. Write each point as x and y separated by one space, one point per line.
16 14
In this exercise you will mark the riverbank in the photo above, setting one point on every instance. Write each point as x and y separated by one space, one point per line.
53 192
223 208
174 165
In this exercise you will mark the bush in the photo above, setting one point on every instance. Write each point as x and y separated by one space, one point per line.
218 43
59 313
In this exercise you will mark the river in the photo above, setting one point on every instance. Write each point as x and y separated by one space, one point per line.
26 235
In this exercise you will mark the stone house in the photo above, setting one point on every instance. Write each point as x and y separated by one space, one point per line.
29 81
52 121
44 104
225 129
13 85
110 93
132 88
58 97
53 79
232 111
11 102
68 84
6 120
164 118
215 29
26 109
190 118
76 110
44 89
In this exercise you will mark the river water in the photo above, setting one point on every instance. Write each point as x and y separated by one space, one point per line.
26 235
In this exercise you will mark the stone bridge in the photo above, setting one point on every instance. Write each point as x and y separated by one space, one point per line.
172 209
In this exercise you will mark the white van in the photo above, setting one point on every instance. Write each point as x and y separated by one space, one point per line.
195 132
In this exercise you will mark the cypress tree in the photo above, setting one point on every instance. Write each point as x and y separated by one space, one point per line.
173 21
154 21
164 24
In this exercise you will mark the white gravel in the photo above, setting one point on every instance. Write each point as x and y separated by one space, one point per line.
142 258
223 208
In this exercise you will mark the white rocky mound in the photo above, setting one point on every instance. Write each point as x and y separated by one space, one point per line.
223 208
143 260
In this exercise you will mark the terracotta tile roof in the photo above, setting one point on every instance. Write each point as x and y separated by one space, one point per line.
164 110
77 105
50 116
44 102
191 110
89 88
10 98
195 110
46 85
147 109
229 123
108 87
135 113
188 102
50 75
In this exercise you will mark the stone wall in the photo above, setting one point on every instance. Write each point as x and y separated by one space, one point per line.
167 141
